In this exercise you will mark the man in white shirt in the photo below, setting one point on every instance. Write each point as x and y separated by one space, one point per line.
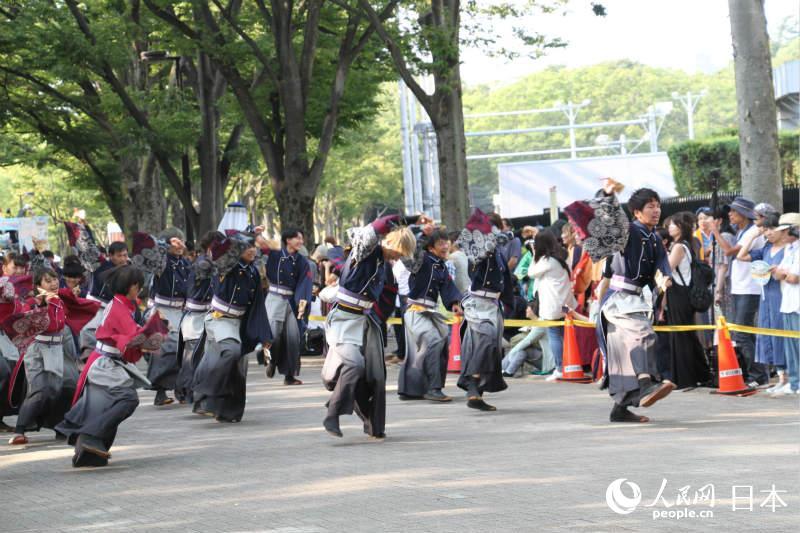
745 292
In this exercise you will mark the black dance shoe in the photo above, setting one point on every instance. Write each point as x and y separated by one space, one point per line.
480 405
621 414
331 424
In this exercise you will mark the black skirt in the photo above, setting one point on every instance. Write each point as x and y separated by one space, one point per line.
688 363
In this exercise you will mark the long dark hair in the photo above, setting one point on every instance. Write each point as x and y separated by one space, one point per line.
685 222
123 277
546 245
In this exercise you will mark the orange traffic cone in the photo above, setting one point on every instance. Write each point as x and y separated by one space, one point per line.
573 369
454 351
731 382
598 365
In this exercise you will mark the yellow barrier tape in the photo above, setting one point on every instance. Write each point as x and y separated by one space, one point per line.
765 331
513 323
678 329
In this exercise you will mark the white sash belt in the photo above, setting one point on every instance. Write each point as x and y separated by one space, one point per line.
107 348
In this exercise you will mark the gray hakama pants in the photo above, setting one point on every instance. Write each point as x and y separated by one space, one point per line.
482 345
355 370
425 364
220 379
192 327
631 351
285 349
51 372
162 369
109 397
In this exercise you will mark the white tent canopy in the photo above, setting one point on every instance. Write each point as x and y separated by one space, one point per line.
525 187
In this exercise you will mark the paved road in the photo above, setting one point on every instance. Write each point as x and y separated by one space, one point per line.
542 462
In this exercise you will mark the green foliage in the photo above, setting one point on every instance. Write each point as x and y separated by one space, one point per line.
54 193
790 51
693 162
619 90
366 170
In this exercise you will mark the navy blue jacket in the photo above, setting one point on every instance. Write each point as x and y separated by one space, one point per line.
291 271
242 287
491 274
644 254
100 289
431 280
173 282
199 282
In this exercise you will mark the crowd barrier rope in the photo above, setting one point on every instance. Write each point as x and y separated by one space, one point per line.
511 323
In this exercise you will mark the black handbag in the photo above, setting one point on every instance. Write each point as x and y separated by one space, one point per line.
313 341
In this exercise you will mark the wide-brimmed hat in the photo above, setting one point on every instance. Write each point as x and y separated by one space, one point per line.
320 252
744 207
763 209
788 220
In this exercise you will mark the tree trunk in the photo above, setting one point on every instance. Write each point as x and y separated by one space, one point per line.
452 153
295 199
445 108
147 205
212 195
755 99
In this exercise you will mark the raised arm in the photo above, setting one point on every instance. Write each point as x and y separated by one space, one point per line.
745 249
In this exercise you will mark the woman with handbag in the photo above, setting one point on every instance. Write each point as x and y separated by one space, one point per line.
689 367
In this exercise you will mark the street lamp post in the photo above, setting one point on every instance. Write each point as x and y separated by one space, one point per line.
21 203
689 102
571 110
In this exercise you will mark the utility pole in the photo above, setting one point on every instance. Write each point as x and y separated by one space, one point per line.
571 110
689 102
405 132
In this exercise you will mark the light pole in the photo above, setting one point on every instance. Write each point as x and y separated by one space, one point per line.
21 203
571 110
689 102
153 56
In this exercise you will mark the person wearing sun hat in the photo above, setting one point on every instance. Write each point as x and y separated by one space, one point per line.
763 210
745 291
764 260
788 273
